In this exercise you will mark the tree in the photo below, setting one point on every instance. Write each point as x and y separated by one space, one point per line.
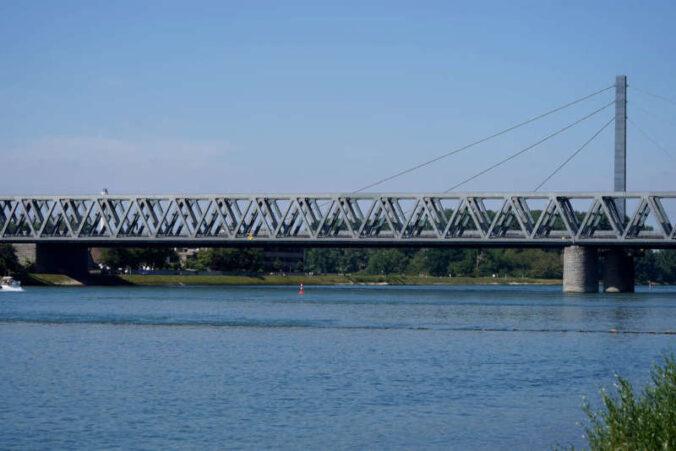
658 266
437 260
8 259
417 264
533 263
118 257
231 259
666 263
646 267
467 265
353 260
137 257
156 257
322 260
387 261
626 421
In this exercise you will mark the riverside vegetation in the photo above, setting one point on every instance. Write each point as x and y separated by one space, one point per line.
656 266
534 263
627 421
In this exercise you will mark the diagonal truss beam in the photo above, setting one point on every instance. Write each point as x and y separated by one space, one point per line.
425 219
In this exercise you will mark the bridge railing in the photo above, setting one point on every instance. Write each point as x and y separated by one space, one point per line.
552 219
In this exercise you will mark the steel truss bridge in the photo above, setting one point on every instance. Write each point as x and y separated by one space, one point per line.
410 219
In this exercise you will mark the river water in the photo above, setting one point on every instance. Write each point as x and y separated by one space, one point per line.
336 368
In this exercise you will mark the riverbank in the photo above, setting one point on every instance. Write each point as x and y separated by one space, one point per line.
233 280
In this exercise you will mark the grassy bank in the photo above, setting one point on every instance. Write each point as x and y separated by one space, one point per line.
50 280
229 280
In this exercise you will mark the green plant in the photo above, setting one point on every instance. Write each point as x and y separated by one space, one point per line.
9 263
646 421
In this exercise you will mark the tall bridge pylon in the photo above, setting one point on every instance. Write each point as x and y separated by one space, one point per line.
621 139
580 263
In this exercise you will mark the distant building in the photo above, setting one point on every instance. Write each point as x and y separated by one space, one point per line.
187 253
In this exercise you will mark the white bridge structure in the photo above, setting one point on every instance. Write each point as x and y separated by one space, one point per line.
376 220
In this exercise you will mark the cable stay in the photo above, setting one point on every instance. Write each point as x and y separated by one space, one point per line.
514 155
475 143
574 154
650 113
651 139
657 96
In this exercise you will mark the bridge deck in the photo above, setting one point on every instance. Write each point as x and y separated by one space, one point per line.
390 219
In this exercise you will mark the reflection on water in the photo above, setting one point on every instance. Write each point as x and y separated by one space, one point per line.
340 367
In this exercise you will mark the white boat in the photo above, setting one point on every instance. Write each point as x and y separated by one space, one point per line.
7 283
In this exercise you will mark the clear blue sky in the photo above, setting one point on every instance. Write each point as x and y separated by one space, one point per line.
219 96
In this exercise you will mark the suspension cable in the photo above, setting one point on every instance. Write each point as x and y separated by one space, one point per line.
574 154
514 155
652 140
666 99
494 135
668 121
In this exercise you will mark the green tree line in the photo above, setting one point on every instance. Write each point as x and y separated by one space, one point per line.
139 257
657 266
434 262
653 265
437 261
218 259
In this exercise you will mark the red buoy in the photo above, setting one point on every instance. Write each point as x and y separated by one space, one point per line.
301 288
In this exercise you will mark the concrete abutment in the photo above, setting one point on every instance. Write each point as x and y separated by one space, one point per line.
580 269
618 271
71 259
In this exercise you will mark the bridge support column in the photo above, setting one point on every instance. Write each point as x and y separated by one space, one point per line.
70 259
580 269
618 271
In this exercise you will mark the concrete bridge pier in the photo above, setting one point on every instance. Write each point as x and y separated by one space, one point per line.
580 269
618 271
71 259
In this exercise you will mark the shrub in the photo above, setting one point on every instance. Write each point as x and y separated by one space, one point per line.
627 422
9 263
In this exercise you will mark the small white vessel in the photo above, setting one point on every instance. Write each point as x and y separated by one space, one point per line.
7 283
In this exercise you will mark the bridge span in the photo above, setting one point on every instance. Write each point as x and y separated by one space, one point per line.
556 219
585 224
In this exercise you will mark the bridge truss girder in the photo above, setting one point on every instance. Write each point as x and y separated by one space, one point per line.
426 219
